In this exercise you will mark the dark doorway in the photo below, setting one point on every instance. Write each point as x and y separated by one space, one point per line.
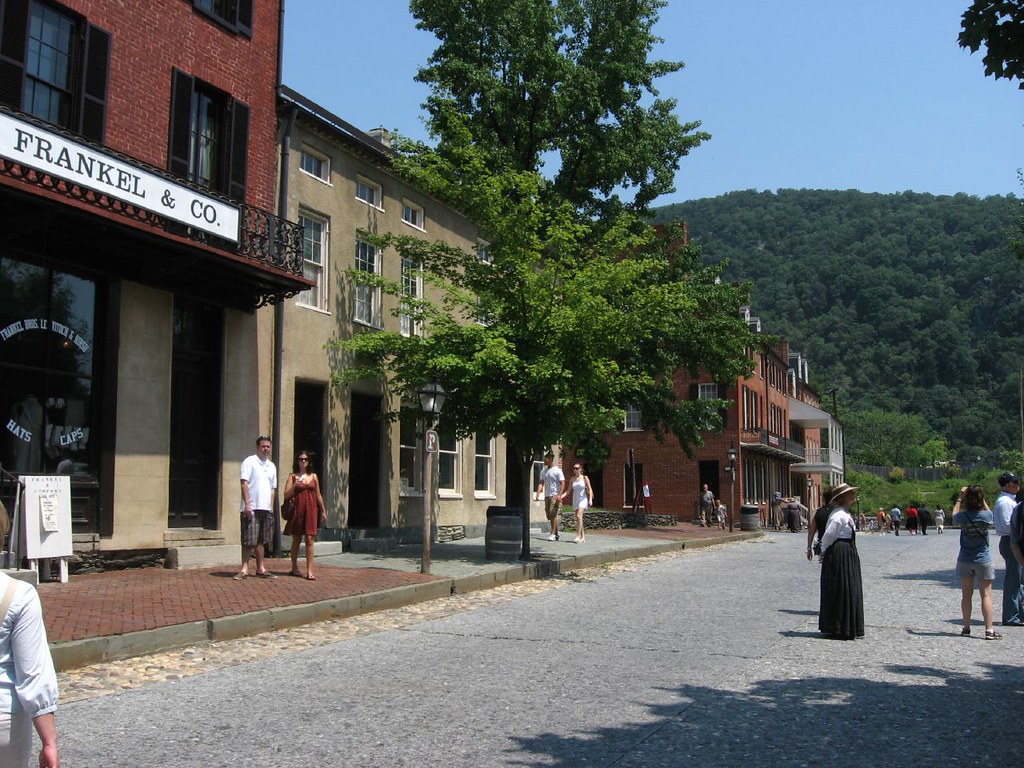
364 462
708 476
308 429
195 415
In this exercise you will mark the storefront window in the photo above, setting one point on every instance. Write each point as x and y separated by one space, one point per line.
47 340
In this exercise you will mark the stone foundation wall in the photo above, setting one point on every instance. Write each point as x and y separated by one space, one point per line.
600 518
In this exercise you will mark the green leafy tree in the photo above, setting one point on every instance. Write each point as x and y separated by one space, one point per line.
887 438
566 86
998 25
581 306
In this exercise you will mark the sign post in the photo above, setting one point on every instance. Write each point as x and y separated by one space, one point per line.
46 520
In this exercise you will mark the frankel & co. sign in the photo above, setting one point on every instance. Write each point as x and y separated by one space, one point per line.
37 148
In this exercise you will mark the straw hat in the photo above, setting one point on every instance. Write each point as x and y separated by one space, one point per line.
840 490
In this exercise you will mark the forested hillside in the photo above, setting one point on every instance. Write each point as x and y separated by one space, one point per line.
907 303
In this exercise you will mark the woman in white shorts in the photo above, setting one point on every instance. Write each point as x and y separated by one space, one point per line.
582 499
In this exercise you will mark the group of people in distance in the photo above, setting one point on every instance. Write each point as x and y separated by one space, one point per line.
917 518
832 535
554 488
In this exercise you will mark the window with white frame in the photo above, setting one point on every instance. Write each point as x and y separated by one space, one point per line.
707 391
483 465
409 471
314 259
447 463
367 297
369 192
315 164
634 419
483 252
412 214
412 289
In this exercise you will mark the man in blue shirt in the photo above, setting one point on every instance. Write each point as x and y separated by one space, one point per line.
1013 610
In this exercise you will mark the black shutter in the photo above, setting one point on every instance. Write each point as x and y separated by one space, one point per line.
13 38
239 151
693 392
92 120
245 17
180 133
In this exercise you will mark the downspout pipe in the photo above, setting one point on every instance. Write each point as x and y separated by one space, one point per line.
285 141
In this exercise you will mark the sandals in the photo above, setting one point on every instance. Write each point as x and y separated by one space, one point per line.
991 634
965 631
297 573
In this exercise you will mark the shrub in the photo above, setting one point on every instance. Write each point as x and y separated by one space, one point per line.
897 475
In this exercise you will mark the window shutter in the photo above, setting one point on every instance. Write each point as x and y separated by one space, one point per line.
92 120
245 17
694 393
12 52
239 153
181 124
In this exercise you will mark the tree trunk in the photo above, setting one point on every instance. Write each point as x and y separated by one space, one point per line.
526 493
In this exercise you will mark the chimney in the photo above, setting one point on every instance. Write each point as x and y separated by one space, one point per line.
380 134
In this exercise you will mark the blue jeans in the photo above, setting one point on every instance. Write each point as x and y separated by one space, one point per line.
1013 613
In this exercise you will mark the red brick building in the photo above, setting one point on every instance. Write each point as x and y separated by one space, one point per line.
783 441
138 184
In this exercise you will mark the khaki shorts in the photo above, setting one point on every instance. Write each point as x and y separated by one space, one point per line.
552 506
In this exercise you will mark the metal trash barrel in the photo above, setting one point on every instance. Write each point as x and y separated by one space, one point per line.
503 537
750 517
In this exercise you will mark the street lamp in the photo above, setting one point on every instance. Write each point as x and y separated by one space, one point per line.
731 455
432 397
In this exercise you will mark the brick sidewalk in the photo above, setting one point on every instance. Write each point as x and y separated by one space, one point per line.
118 602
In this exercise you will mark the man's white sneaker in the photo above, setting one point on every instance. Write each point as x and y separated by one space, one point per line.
553 537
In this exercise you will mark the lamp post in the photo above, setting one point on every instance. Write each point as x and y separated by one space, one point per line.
732 455
432 397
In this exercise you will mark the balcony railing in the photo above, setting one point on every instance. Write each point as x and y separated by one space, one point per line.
771 440
271 240
823 456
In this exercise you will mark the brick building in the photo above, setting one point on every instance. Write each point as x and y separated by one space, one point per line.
783 441
138 173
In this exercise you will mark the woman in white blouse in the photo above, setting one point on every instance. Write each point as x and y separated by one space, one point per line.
28 682
841 613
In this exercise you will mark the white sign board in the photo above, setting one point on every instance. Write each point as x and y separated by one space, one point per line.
46 517
34 147
432 441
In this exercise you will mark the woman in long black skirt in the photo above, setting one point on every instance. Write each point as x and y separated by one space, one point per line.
841 613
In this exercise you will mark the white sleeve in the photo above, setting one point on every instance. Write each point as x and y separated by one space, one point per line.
37 680
832 528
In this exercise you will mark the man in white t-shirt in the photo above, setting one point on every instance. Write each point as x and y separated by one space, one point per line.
553 487
259 487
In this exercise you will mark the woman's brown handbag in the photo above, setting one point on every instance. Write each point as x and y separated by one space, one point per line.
288 508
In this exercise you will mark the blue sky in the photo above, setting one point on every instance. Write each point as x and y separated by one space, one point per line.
874 95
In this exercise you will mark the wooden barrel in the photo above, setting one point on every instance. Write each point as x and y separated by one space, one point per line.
503 537
750 518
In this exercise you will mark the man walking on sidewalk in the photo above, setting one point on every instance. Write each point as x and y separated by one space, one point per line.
553 487
259 486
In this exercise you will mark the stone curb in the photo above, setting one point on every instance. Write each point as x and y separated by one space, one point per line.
80 653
